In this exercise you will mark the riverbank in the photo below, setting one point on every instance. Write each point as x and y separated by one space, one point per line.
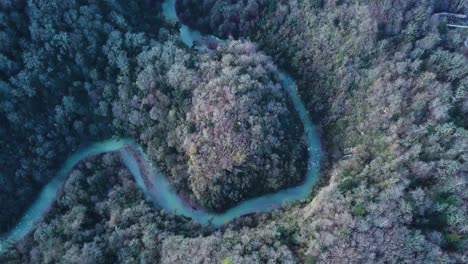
157 187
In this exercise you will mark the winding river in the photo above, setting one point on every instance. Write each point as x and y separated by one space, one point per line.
156 185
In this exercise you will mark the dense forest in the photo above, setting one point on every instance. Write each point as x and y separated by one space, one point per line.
63 63
247 139
88 70
385 81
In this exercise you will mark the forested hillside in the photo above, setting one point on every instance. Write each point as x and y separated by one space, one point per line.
62 64
385 81
80 71
247 139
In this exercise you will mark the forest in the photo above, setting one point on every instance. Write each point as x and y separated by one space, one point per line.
385 82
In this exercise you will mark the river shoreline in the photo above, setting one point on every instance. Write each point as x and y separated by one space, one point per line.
156 185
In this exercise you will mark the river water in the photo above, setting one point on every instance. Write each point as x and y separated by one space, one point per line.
159 189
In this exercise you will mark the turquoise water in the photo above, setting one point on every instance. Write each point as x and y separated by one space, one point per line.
163 195
187 35
161 192
48 194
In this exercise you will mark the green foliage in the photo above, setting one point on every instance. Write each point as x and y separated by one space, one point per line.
347 184
445 198
359 210
227 260
317 3
455 241
442 27
310 260
287 235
